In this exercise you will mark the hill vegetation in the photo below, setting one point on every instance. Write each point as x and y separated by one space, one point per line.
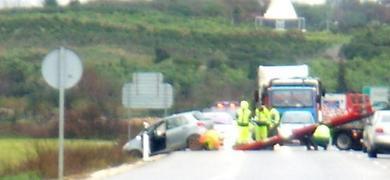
208 50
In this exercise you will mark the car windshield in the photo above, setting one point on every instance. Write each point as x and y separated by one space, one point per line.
199 116
292 98
297 118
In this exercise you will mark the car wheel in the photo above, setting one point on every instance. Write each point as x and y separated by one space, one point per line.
343 141
372 154
135 154
193 142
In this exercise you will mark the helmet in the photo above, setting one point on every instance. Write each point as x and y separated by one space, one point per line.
244 104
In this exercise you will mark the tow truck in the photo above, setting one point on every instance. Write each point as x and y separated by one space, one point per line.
349 135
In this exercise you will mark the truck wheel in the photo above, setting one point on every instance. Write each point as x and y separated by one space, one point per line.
193 142
343 141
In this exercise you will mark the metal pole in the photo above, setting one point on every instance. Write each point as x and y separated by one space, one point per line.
165 101
61 66
299 23
128 123
129 129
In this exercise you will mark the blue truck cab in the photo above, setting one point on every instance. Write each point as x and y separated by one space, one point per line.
294 98
290 88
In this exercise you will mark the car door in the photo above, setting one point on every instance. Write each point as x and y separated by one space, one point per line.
158 138
176 128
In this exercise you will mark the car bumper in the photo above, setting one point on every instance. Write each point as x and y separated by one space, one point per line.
135 144
382 142
382 139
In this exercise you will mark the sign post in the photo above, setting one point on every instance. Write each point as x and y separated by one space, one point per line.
147 91
61 69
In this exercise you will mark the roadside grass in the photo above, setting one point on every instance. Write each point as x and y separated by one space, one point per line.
12 152
27 175
40 159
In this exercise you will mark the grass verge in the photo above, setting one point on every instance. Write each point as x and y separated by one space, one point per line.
39 159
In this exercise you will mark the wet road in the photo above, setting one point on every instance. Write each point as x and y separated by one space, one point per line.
287 162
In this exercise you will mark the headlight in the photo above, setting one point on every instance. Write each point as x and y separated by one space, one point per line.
125 146
285 133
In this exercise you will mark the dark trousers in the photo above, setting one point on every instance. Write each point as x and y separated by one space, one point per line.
308 142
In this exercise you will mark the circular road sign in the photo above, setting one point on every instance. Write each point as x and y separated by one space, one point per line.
70 70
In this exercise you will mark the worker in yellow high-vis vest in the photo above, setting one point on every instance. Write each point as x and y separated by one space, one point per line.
274 120
243 116
321 136
211 140
262 121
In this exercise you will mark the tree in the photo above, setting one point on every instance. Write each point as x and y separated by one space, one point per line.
161 54
341 81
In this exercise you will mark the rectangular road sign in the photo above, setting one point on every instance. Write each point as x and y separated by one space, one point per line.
147 91
379 96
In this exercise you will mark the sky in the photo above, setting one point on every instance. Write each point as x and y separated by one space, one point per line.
38 3
30 3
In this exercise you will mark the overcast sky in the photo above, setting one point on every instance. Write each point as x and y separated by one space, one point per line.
37 3
30 3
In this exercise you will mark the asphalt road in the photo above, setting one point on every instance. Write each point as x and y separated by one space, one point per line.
287 162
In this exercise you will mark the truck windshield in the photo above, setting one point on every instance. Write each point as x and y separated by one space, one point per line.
292 98
297 118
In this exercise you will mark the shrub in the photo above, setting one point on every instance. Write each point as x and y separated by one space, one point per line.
38 130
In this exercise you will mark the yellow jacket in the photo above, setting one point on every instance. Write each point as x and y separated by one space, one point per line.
243 114
263 116
322 131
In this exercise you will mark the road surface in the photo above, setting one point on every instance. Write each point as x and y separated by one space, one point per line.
287 162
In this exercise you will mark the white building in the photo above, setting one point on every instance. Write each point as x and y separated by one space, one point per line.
309 2
281 15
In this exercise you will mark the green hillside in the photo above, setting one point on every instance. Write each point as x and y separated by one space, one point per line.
207 51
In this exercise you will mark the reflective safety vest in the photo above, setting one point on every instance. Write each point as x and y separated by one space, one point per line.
211 139
275 117
243 116
322 131
263 116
